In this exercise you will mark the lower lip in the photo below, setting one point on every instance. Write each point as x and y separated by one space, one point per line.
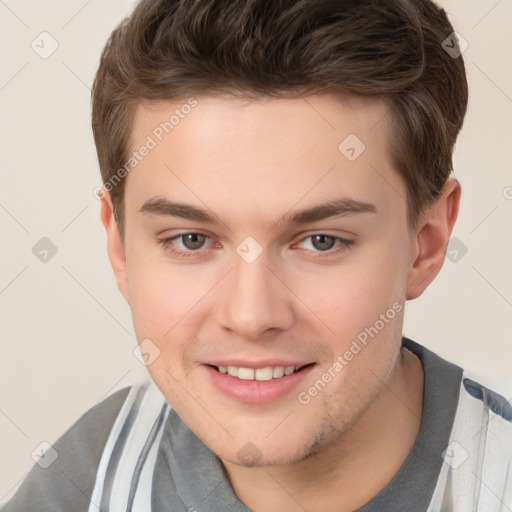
254 391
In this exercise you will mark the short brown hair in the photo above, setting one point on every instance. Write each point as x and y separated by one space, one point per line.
172 49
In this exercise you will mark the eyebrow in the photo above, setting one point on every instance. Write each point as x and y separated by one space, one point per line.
334 208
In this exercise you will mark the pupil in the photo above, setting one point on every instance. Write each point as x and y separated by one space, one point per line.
323 239
194 239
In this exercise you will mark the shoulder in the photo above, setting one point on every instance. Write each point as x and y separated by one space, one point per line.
485 419
484 414
67 483
492 400
476 458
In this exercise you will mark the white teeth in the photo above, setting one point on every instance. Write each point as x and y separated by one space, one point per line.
246 373
278 372
261 374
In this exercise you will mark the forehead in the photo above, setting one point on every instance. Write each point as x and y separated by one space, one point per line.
320 115
276 152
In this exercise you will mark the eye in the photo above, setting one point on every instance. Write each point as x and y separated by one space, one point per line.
324 243
192 242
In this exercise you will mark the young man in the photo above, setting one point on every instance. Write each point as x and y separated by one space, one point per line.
276 186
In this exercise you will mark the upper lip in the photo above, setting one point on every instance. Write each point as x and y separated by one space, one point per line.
264 363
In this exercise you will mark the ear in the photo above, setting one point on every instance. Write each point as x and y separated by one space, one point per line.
115 247
431 238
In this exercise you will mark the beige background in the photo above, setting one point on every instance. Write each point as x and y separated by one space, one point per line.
66 333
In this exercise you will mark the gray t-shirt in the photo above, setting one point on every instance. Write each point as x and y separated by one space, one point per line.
188 475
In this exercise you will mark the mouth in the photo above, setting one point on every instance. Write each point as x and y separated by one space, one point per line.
259 374
262 385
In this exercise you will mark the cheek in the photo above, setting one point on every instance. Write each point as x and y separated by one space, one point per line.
352 296
165 297
156 295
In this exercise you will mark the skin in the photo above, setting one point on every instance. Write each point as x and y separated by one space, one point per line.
251 163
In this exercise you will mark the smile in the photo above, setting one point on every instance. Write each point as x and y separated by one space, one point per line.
260 374
257 385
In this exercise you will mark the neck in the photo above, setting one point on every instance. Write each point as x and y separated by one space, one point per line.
355 467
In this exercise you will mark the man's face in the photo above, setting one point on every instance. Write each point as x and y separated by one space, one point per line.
254 289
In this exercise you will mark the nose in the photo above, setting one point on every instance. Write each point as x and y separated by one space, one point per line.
254 299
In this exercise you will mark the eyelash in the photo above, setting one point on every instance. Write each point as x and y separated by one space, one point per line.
344 244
